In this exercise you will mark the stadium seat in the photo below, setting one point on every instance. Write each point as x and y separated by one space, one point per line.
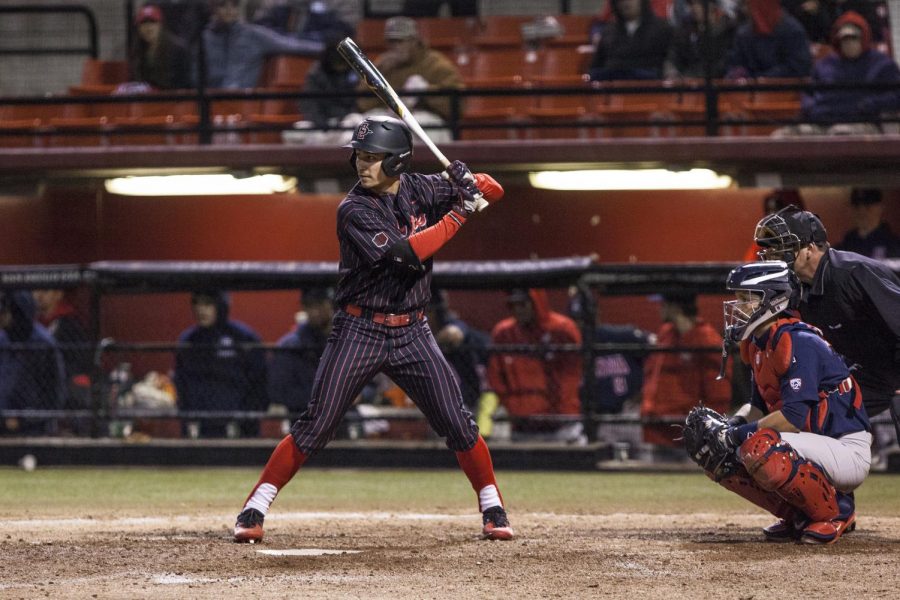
561 62
576 30
653 105
370 35
286 71
512 64
495 110
447 33
555 109
63 131
140 130
95 71
501 30
21 133
280 121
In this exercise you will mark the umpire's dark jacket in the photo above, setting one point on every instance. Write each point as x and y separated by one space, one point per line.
855 301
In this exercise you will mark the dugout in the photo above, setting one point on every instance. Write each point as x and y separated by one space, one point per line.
133 308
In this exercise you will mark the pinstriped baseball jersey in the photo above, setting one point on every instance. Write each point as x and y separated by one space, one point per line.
358 348
368 224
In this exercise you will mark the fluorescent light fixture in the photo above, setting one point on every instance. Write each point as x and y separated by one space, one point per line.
636 179
200 185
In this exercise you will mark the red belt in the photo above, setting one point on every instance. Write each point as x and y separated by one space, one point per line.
386 319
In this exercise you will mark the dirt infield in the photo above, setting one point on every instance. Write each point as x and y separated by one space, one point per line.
414 555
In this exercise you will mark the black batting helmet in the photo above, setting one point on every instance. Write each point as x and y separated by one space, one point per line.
773 289
384 135
783 234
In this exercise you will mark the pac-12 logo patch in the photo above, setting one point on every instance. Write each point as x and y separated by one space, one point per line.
380 240
363 131
796 383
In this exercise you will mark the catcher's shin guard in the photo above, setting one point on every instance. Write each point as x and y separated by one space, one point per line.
777 467
746 487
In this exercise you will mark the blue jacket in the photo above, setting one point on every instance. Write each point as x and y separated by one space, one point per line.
785 53
32 375
293 367
213 373
235 54
833 105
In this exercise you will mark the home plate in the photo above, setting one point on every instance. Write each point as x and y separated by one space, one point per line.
306 552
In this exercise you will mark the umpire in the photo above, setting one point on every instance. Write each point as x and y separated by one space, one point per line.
853 299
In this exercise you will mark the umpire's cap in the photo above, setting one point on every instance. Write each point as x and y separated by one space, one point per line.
384 135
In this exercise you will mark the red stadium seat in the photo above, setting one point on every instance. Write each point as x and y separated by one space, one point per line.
447 33
501 30
497 63
561 62
60 125
370 35
24 133
494 110
653 105
555 109
95 71
576 30
286 71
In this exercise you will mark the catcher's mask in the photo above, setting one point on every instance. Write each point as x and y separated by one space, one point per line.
783 234
764 290
383 135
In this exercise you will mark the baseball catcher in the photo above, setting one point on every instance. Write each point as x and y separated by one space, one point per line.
801 445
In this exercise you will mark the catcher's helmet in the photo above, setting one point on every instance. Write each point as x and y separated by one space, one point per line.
783 234
771 287
385 135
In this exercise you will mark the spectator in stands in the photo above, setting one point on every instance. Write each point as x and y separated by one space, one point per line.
871 236
32 375
617 378
868 9
410 65
332 75
157 57
465 348
214 372
675 382
632 46
542 382
294 362
814 15
58 316
236 51
855 61
771 44
690 56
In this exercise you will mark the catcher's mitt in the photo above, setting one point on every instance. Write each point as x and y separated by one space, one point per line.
705 443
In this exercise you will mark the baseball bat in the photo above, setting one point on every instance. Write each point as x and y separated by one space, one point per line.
376 82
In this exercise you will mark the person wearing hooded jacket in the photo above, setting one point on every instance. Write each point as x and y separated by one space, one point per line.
853 61
33 376
771 44
213 372
633 46
544 382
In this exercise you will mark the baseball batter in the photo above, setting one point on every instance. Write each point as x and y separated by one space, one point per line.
802 444
389 226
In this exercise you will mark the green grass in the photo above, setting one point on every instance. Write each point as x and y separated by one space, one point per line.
143 491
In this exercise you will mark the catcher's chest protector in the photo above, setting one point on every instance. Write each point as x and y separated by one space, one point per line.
769 364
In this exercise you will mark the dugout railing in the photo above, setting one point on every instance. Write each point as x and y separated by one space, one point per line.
107 402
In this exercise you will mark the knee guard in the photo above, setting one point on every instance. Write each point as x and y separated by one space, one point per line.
777 467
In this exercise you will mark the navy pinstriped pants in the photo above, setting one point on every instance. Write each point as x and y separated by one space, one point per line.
356 351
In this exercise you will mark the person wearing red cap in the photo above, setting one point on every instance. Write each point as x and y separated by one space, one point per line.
157 57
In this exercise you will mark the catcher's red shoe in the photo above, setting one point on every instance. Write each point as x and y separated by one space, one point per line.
496 525
828 532
249 527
